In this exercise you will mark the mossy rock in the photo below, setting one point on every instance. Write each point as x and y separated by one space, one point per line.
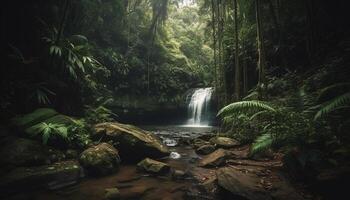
153 166
133 143
55 176
102 159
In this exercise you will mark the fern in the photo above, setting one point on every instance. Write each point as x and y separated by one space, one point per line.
258 114
332 105
244 106
47 130
262 143
252 95
332 90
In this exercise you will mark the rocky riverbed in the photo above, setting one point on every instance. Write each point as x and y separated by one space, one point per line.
168 162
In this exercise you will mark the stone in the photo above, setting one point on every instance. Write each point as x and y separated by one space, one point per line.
224 142
215 159
15 152
133 143
198 143
153 166
178 174
101 159
240 185
205 149
112 194
54 176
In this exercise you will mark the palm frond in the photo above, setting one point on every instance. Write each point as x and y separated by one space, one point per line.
262 143
332 105
245 106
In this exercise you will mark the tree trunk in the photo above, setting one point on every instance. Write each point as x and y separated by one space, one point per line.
213 21
261 51
237 66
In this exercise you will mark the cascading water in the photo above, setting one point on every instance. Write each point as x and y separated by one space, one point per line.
199 107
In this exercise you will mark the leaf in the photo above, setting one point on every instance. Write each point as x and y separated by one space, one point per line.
261 144
245 106
332 105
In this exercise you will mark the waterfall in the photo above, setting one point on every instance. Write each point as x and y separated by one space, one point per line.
199 107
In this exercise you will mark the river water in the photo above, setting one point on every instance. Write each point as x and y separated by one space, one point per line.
136 185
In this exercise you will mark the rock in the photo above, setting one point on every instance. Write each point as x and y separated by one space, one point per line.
198 143
153 166
101 159
217 158
240 185
55 176
224 142
112 194
205 149
133 143
16 152
72 154
178 174
210 186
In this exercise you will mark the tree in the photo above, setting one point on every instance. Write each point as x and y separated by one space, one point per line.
260 49
237 66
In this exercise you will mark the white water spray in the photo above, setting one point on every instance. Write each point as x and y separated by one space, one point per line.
199 107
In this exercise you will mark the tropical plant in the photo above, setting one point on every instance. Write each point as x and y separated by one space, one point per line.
271 127
334 97
50 130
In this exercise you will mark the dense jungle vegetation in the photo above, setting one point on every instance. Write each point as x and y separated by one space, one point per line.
279 71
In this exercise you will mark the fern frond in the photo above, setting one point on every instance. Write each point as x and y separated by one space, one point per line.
257 114
262 143
245 106
332 105
252 95
332 90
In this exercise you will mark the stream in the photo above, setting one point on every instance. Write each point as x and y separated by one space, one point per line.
135 185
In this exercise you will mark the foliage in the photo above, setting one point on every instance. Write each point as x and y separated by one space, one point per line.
49 130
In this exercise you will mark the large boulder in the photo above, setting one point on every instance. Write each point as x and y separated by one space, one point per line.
55 176
16 152
240 185
224 142
101 159
133 143
215 159
153 166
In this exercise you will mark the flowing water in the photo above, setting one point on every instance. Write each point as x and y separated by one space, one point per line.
131 182
199 107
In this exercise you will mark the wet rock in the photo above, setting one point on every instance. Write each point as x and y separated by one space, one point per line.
224 142
101 159
210 186
205 149
112 194
217 158
178 174
133 143
55 176
153 166
198 143
240 185
24 152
